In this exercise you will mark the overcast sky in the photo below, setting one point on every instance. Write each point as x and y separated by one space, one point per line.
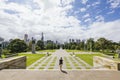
60 19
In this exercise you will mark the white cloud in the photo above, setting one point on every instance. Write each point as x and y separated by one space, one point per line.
88 6
99 18
109 30
111 12
114 3
50 18
87 20
86 15
95 3
84 1
83 9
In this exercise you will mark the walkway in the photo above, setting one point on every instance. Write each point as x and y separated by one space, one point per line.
58 75
52 62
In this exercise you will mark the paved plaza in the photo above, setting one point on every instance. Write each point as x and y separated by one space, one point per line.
47 68
52 62
58 75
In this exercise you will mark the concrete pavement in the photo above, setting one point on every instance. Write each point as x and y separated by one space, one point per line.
58 75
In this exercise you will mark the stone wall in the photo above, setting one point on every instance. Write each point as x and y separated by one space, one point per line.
13 63
105 63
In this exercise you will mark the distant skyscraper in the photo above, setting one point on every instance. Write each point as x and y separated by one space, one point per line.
77 41
26 39
70 40
42 38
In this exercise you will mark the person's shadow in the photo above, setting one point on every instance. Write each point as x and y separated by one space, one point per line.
64 71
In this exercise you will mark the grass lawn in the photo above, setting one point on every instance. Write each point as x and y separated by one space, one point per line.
76 50
47 50
88 58
31 58
73 50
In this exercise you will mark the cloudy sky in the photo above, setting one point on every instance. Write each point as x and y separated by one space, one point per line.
60 19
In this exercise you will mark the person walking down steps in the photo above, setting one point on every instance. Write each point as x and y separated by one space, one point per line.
60 63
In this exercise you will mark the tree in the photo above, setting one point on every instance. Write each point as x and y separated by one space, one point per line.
90 44
102 42
17 46
96 46
50 45
73 47
82 44
40 44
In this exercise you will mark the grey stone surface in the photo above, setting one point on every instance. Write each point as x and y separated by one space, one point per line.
13 63
58 75
105 63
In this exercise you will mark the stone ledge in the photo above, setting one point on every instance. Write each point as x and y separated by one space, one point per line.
105 63
13 63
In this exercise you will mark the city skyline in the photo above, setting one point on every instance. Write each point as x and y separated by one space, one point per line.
60 20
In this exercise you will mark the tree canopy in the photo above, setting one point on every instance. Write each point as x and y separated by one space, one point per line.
17 45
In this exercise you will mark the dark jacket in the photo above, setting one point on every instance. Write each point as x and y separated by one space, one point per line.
60 61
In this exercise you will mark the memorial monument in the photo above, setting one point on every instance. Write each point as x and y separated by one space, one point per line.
33 45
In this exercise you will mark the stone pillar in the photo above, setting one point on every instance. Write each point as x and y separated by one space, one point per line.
118 51
0 50
33 45
118 66
33 48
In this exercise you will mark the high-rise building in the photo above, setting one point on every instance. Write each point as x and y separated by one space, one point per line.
42 38
26 40
25 37
73 40
70 40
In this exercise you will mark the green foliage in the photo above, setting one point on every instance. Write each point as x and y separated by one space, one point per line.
77 47
73 47
31 58
101 44
90 44
88 58
47 50
49 46
40 45
17 46
6 52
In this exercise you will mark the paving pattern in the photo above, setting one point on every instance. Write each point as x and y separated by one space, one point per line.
52 62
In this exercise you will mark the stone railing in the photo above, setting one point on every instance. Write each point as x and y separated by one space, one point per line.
13 63
105 63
